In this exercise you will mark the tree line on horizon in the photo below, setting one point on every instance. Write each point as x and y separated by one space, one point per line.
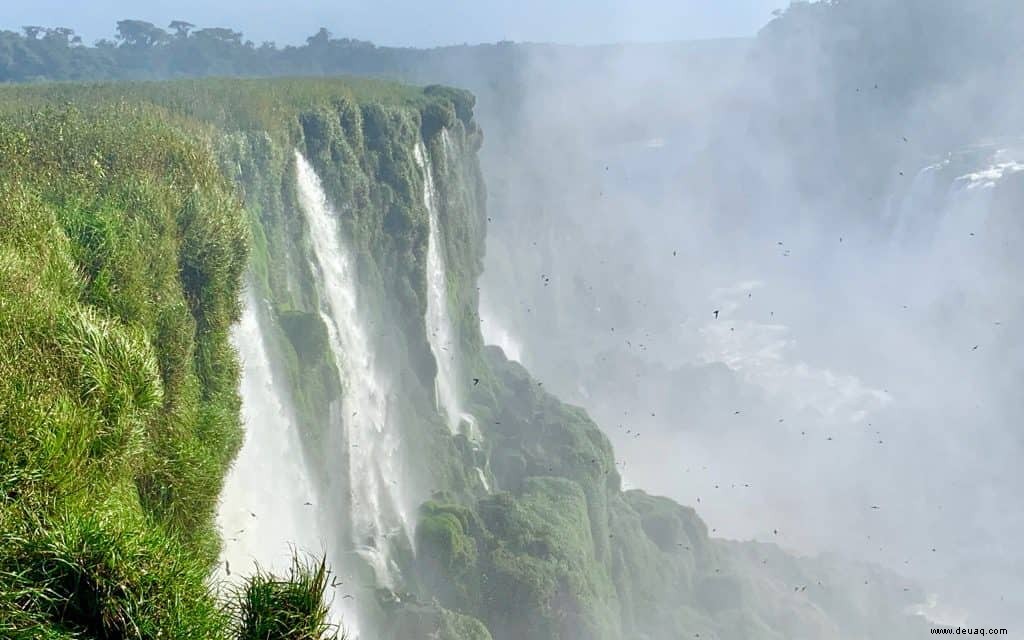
142 50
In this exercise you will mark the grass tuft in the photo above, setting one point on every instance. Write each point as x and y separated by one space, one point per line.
295 607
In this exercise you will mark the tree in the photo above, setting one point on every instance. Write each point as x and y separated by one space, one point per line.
322 37
139 33
181 28
63 35
220 34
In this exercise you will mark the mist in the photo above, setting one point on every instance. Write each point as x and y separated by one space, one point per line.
643 321
405 23
780 273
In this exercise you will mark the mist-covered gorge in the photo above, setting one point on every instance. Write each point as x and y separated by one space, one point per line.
785 285
777 275
520 531
797 362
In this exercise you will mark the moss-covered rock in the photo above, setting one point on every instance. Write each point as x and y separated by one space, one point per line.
563 552
446 542
416 621
121 256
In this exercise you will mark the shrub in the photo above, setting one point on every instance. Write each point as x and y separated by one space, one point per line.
268 607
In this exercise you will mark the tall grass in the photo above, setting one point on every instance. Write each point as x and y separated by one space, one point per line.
291 607
122 248
118 401
96 576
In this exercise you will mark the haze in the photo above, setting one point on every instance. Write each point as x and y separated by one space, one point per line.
777 261
417 24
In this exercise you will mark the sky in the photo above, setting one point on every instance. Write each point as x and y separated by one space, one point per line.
419 23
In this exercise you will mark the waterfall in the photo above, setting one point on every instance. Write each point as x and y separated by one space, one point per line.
497 334
951 199
368 476
945 220
440 332
268 504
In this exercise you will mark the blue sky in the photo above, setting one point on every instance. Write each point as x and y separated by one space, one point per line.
416 22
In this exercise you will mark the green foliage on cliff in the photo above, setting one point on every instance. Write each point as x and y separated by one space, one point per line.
563 553
124 244
126 226
360 135
437 624
121 251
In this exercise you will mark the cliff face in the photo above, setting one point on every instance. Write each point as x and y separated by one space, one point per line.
517 516
456 497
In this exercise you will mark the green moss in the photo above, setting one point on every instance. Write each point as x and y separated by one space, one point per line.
668 524
306 333
523 563
436 117
447 554
418 621
462 101
544 565
443 532
122 249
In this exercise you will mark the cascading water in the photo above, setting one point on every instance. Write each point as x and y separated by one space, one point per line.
950 199
440 332
955 247
495 333
269 503
361 429
945 219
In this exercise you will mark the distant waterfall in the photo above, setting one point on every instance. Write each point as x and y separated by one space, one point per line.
951 199
361 430
945 220
441 334
268 503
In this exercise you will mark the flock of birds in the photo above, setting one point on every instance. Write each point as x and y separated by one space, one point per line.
717 314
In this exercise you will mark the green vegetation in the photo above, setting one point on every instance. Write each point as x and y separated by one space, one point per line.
563 553
428 622
291 608
120 258
95 575
359 134
122 250
128 221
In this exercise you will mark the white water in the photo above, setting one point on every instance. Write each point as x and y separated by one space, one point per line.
495 333
268 504
762 354
942 209
361 430
440 332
